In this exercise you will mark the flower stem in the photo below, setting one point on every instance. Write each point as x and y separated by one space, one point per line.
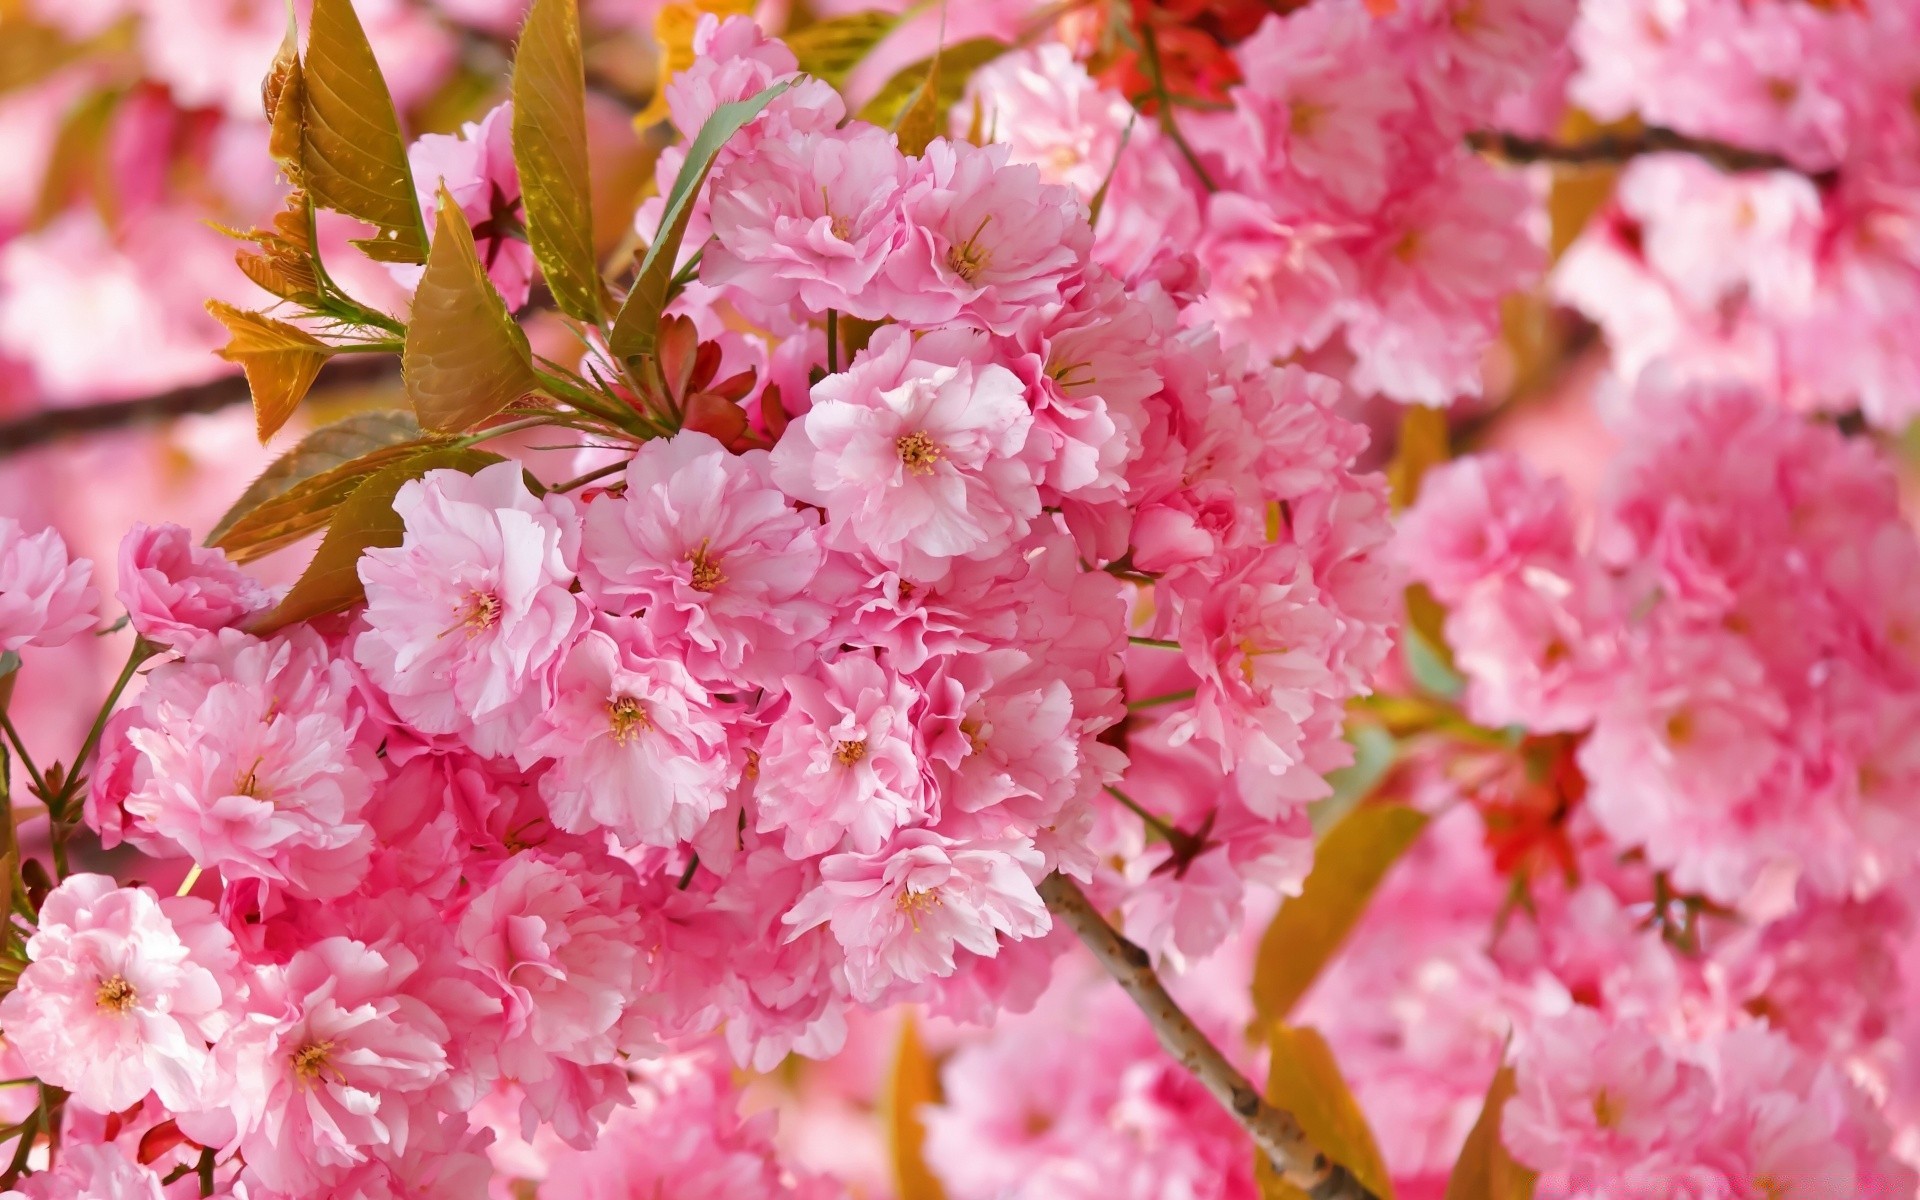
1157 643
1150 52
1157 701
20 751
1184 844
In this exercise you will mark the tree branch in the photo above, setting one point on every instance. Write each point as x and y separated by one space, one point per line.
24 433
1274 1130
1620 147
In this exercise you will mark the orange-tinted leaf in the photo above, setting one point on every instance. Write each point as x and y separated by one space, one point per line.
1422 447
957 62
1305 934
673 28
365 519
1484 1170
832 48
280 361
1303 1079
466 358
915 1082
550 149
353 159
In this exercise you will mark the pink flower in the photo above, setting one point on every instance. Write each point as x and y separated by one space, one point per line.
45 596
1320 103
1484 517
470 615
476 166
917 453
328 1065
247 755
1001 736
1279 279
988 244
556 941
123 994
809 219
637 747
842 760
90 1171
734 60
711 558
1042 103
901 914
177 592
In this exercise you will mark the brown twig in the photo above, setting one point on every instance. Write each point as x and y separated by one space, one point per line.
1275 1131
1620 147
38 428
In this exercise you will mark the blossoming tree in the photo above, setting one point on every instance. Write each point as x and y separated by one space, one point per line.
924 579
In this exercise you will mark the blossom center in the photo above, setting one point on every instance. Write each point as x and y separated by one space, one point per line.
1606 1110
706 576
969 258
312 1060
918 451
478 612
626 716
248 785
916 904
849 753
116 994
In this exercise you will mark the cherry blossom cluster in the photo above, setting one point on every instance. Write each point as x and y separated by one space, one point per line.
786 716
1803 279
1331 198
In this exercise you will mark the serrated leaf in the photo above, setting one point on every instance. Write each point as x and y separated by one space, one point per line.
1348 865
1303 1079
637 326
364 520
958 62
550 149
832 48
924 119
284 97
352 157
280 361
673 30
915 1082
296 495
1485 1170
466 358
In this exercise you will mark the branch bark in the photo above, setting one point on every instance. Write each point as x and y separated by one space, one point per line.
1620 147
1276 1132
50 424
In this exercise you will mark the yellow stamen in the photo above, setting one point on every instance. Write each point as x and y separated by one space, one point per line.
116 995
918 452
311 1061
915 903
706 569
627 717
849 753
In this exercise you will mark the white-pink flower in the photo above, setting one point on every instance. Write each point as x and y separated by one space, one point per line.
476 167
712 558
247 755
175 592
46 597
327 1066
842 760
470 615
988 244
123 995
90 1171
637 746
901 914
918 452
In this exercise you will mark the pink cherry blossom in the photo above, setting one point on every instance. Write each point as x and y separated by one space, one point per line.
123 995
917 453
901 914
638 747
470 615
176 593
712 558
45 595
476 167
90 1170
842 761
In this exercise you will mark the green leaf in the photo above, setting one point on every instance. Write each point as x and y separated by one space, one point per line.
366 519
1347 866
280 361
637 327
299 492
550 149
353 159
1303 1079
914 1083
466 358
9 663
831 49
957 63
1484 1170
